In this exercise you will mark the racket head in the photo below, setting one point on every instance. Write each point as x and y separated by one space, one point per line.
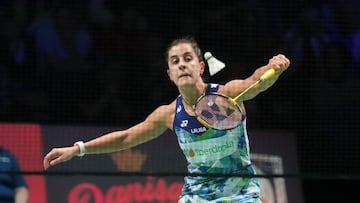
218 111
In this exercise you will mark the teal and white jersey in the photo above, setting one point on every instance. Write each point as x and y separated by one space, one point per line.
216 152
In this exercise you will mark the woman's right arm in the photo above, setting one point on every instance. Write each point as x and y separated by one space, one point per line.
153 126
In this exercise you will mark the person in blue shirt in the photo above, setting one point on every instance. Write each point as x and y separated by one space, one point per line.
13 187
231 155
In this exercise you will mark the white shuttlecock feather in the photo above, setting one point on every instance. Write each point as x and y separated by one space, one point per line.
214 64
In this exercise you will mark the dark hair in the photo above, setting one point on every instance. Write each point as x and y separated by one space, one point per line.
187 39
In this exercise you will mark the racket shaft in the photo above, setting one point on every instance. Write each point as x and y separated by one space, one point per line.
268 74
246 90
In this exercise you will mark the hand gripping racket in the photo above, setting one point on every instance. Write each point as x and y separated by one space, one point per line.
221 112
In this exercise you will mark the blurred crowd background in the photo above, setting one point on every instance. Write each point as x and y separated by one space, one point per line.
102 62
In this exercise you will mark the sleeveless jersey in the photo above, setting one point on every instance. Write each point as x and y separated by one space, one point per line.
210 151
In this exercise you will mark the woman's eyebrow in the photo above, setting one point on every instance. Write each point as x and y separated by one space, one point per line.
184 54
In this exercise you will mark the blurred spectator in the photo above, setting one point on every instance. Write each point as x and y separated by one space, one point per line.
63 44
13 70
122 46
347 15
13 187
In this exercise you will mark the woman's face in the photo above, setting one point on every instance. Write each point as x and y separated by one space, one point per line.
184 65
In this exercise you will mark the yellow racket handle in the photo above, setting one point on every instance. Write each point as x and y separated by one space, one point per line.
268 74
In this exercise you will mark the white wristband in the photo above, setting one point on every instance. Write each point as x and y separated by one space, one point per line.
82 148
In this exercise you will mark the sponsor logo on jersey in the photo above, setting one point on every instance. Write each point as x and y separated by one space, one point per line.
209 150
198 130
184 123
214 85
178 109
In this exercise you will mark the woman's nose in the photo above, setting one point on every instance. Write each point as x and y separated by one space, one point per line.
182 66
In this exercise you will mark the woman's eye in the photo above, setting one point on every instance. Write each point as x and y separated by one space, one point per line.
174 61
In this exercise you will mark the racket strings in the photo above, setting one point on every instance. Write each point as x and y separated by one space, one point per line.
218 113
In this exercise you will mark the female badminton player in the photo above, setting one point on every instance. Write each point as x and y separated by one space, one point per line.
207 150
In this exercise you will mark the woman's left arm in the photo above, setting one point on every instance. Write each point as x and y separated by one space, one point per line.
279 63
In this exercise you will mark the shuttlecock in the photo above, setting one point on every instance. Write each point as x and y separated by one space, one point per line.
214 64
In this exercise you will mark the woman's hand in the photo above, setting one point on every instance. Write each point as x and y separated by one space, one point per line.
59 155
279 62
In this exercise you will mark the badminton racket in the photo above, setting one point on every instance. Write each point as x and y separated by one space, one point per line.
218 111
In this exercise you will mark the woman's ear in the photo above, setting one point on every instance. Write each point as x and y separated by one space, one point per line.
202 68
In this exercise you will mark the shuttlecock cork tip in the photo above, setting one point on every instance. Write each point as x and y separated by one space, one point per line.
207 55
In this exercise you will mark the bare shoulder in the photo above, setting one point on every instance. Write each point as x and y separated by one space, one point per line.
164 115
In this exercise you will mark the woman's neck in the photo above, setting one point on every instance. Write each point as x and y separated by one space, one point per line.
191 95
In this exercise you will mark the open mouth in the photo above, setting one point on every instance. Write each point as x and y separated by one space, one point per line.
184 75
